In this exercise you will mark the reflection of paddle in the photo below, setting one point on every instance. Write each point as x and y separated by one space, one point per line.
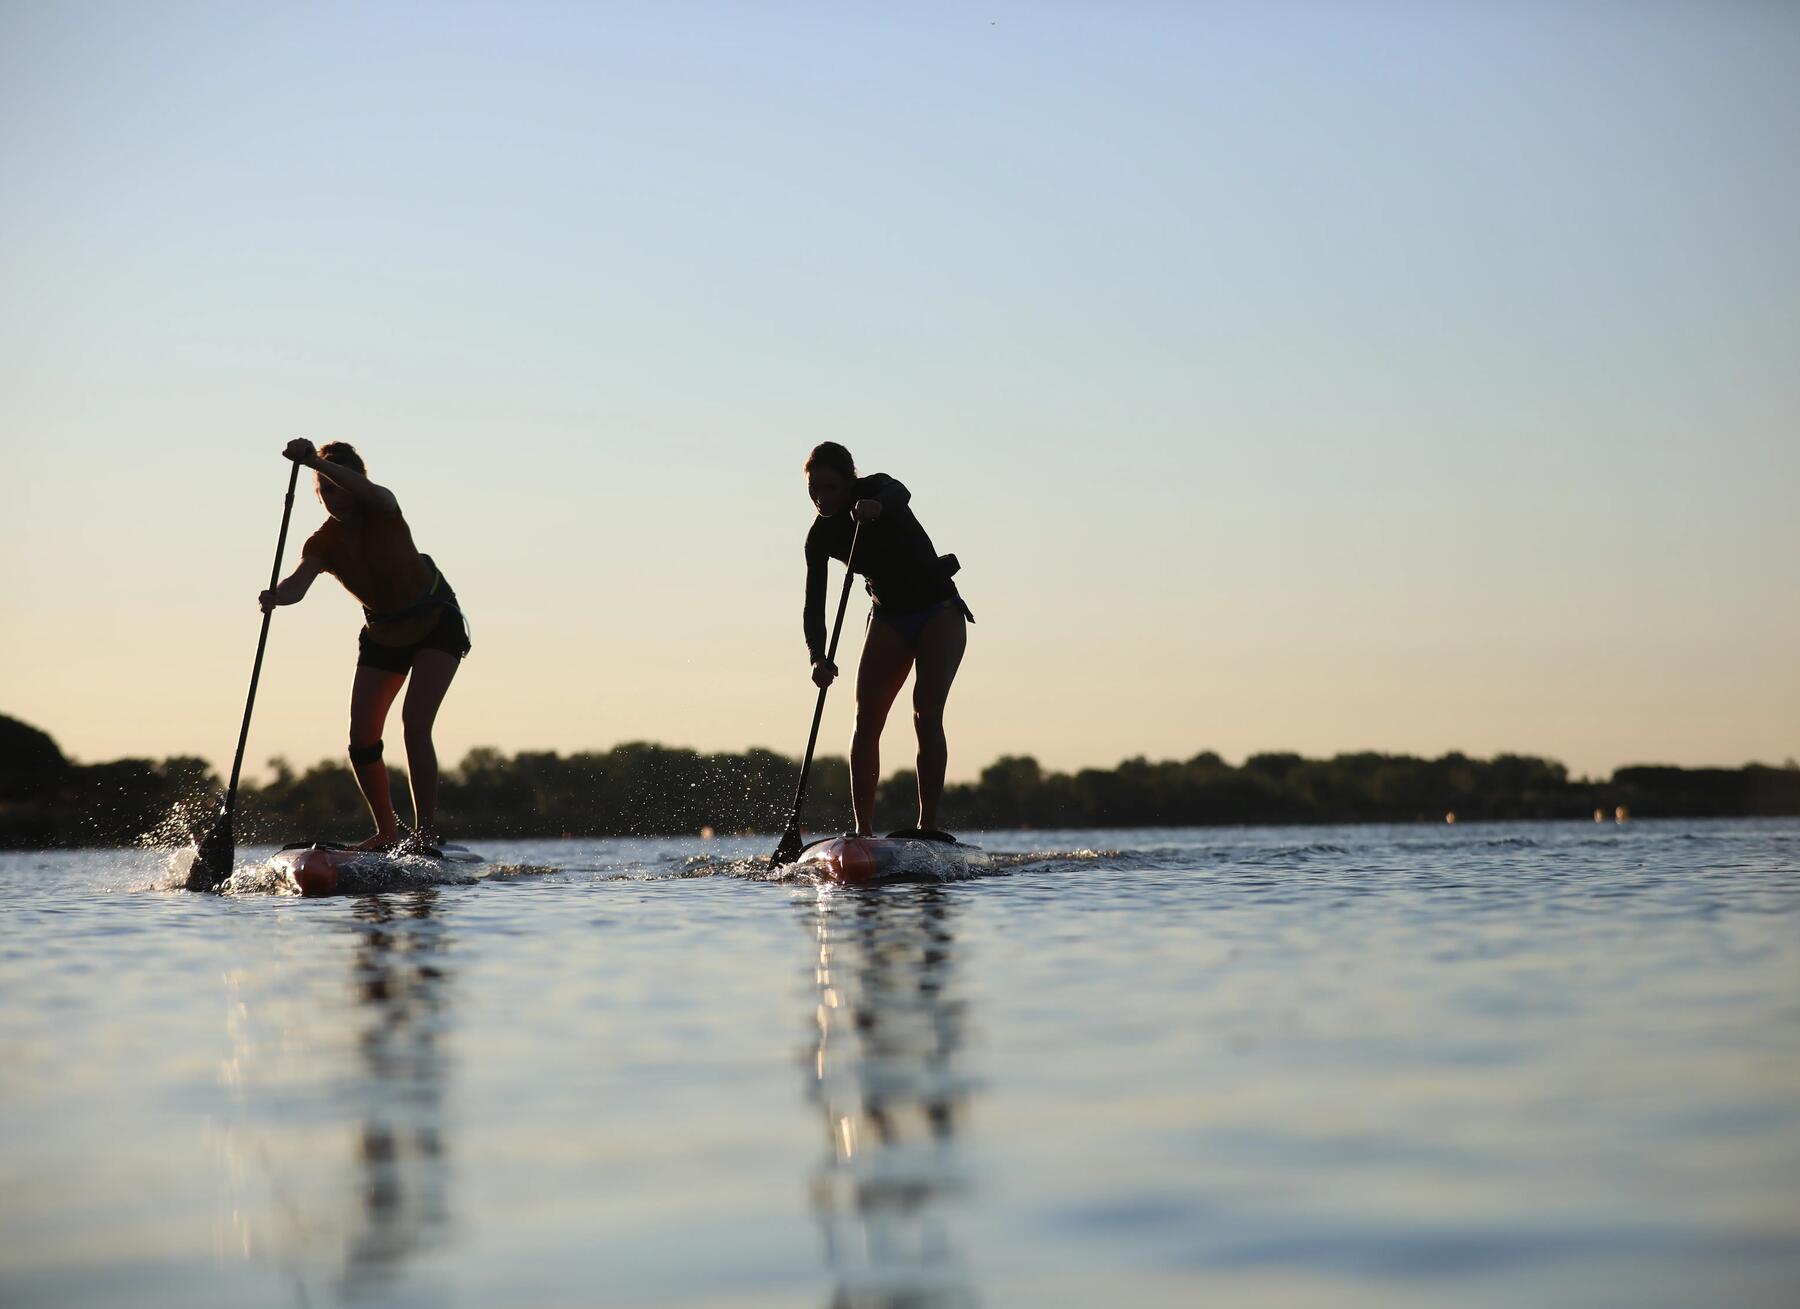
789 849
213 859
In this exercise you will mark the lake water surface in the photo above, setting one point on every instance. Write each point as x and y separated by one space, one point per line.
1517 1064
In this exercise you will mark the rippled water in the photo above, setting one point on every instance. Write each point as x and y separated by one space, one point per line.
1516 1064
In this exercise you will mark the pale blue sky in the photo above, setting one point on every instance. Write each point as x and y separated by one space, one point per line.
1310 376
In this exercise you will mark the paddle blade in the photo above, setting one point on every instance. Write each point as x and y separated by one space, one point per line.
213 856
789 849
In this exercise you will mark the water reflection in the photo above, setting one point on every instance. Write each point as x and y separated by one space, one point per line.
314 1073
887 1080
403 1164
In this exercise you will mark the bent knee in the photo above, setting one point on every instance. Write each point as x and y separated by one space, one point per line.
928 708
928 724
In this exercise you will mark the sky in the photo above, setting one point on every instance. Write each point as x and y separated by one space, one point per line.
1287 376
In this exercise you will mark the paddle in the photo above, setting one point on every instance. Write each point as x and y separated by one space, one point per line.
217 849
789 849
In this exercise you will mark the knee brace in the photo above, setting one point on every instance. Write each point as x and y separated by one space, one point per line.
365 754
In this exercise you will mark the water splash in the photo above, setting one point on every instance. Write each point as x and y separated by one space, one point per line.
182 824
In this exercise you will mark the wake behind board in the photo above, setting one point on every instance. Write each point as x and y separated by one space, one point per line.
867 860
316 867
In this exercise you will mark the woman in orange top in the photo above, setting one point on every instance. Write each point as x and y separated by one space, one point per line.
412 624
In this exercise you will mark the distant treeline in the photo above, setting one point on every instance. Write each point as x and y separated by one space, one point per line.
644 790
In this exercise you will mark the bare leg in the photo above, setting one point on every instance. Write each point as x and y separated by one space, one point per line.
371 695
940 654
885 663
431 674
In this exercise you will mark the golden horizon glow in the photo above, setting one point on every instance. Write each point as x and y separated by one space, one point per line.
1346 406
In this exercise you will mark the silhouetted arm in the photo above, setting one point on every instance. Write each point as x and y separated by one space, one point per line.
301 451
292 589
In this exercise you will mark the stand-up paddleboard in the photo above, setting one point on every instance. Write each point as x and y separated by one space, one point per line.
863 860
314 866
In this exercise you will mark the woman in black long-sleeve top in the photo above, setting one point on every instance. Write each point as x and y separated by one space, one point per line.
918 621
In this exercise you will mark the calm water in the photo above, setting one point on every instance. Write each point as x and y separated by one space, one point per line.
1485 1065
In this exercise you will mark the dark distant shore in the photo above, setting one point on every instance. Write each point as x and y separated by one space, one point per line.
648 790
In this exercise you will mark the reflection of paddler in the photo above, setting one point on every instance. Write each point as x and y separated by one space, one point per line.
918 622
889 1081
413 625
400 969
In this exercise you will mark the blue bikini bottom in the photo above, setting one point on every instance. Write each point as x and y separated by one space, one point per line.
911 625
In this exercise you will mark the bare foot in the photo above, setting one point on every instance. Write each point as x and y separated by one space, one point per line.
377 843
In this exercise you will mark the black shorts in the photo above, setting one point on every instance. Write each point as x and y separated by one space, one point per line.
450 634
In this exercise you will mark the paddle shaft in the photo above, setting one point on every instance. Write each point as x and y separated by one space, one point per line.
837 629
262 640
